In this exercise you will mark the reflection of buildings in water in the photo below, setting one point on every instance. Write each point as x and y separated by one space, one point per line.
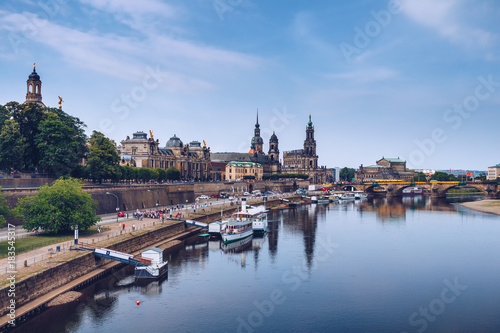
272 234
309 225
394 208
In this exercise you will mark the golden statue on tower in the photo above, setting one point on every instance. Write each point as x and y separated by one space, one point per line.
151 134
60 101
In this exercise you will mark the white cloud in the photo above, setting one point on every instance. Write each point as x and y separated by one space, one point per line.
444 17
189 65
365 75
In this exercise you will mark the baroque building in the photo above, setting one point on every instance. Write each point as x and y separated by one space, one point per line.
305 161
270 163
385 169
192 160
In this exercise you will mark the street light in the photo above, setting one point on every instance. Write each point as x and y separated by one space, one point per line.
117 204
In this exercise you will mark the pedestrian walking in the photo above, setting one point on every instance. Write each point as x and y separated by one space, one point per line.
123 226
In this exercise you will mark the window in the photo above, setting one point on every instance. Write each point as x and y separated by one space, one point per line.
134 151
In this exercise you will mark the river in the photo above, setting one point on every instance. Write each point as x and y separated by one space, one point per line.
407 264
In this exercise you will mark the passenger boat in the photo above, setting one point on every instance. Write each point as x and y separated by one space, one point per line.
241 224
413 191
360 195
348 196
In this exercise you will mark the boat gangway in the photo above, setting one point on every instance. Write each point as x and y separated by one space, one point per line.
197 224
112 254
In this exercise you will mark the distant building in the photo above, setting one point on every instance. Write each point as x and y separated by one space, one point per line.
493 172
192 160
238 170
270 163
34 88
305 161
385 169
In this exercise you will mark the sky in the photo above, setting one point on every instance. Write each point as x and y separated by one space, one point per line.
414 79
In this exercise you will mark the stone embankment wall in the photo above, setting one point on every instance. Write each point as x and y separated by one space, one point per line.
35 286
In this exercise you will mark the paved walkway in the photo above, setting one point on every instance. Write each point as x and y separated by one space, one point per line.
46 256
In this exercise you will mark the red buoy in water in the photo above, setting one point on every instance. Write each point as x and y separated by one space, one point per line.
138 302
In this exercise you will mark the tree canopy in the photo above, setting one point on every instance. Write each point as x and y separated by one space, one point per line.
173 173
57 208
346 174
102 158
12 146
4 210
50 138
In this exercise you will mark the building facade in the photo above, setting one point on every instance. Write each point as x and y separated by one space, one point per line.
238 170
385 169
192 160
493 172
270 163
305 161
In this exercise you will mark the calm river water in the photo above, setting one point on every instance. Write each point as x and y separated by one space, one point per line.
400 265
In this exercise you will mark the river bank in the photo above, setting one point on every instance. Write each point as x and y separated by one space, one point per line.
485 206
36 285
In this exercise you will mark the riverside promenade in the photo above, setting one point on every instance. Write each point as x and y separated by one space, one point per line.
42 259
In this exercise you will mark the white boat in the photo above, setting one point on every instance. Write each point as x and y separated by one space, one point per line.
412 191
360 195
348 196
314 199
241 224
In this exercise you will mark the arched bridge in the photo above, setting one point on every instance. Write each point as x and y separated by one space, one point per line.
437 189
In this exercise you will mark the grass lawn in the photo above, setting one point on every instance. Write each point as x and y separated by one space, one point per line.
33 242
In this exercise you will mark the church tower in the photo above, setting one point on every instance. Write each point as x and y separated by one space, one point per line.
311 159
34 88
257 144
274 154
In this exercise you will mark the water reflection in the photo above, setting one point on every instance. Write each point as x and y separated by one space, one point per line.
202 267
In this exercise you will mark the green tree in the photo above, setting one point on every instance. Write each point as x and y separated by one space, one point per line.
155 174
29 116
442 176
61 144
57 208
420 177
144 174
162 174
12 146
4 115
129 173
4 210
173 173
346 174
102 157
81 172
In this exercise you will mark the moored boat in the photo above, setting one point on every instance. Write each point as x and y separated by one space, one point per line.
241 224
413 191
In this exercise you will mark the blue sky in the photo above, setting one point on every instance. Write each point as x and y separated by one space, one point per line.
415 79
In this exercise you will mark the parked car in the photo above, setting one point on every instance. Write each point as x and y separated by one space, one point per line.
121 214
202 197
246 193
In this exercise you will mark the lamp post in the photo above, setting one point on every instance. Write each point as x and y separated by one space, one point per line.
117 203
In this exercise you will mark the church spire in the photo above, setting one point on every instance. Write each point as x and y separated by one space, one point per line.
257 124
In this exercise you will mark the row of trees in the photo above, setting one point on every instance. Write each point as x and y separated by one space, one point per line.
285 175
444 176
